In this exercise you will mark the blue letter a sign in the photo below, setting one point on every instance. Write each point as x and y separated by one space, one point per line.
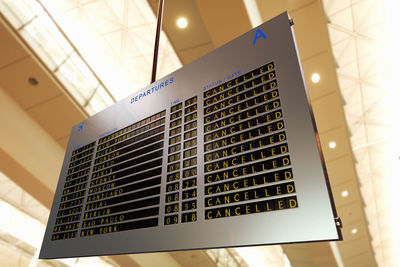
258 35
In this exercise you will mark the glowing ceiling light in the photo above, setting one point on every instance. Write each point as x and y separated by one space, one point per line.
315 77
354 231
345 193
332 144
182 22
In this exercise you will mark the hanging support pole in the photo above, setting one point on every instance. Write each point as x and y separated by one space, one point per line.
157 41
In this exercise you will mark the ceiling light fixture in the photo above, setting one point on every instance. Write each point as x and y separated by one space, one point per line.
315 77
182 23
354 231
332 144
345 193
32 81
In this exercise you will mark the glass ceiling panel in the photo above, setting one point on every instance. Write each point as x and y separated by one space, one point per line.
366 58
117 39
17 12
74 72
44 37
99 100
59 55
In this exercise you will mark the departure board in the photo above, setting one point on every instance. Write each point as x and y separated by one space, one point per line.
220 153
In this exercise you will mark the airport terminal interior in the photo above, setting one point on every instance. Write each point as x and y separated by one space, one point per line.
63 61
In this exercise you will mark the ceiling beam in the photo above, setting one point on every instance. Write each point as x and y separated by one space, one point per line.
29 145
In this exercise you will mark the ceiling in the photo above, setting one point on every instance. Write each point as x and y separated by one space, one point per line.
335 39
119 39
357 31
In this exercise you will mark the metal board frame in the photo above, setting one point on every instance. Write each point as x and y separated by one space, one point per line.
311 218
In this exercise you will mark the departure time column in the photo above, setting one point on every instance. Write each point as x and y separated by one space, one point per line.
189 183
174 166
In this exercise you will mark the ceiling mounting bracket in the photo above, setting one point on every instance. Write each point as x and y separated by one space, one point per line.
338 222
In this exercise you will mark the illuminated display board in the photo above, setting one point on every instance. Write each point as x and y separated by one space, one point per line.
220 153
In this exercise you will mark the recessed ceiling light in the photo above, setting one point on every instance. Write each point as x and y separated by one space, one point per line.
354 231
332 144
182 22
345 193
33 81
315 77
